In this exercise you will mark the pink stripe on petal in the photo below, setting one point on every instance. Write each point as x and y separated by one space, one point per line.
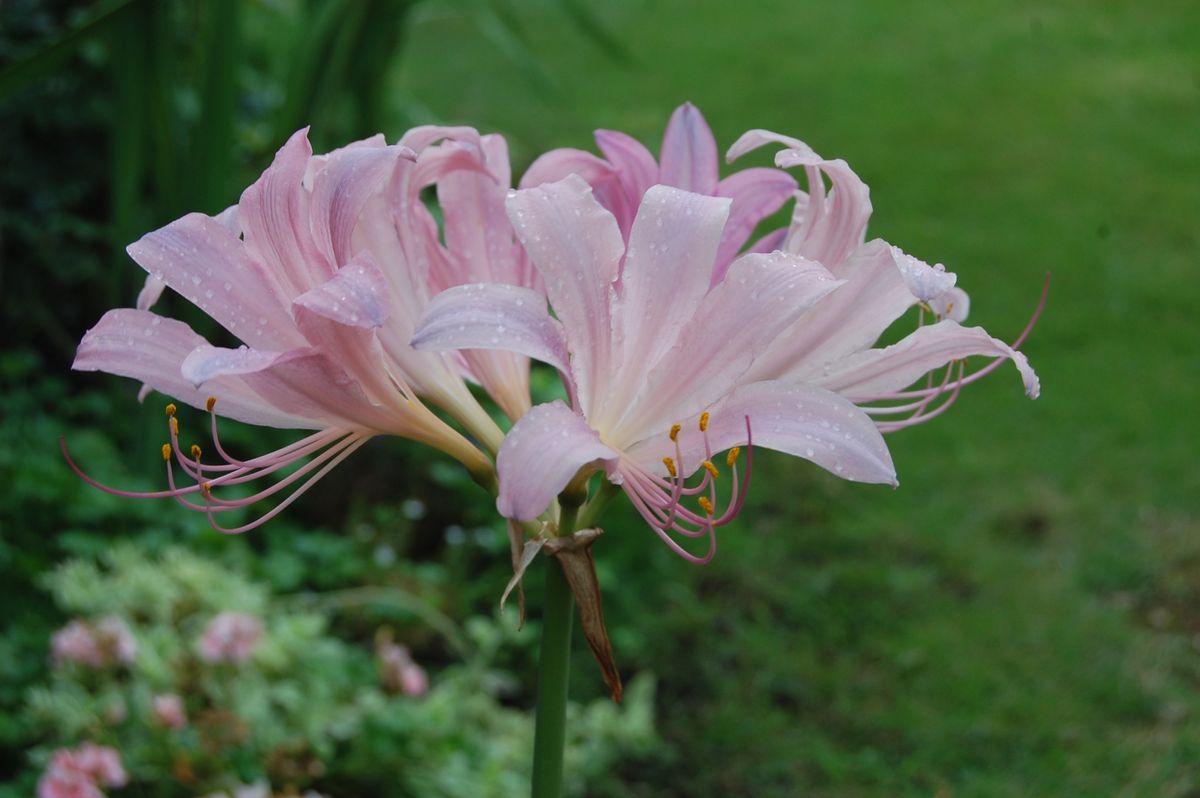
689 152
341 187
542 453
274 215
668 268
577 247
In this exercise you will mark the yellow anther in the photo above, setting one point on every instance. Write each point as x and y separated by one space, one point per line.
732 457
704 421
171 410
174 425
195 451
711 469
166 451
206 488
210 403
670 464
705 505
675 431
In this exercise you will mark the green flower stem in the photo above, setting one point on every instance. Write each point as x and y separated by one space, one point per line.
550 719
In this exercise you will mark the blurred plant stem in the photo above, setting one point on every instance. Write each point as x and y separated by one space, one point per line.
550 718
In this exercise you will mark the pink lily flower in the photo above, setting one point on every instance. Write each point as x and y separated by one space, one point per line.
653 353
831 346
689 161
320 271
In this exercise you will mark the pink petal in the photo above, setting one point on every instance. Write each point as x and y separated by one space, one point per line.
493 316
635 167
542 453
310 384
477 231
798 419
668 266
756 194
689 152
207 362
357 295
738 319
206 263
341 187
274 215
878 372
954 304
827 226
848 320
577 247
150 348
557 164
303 382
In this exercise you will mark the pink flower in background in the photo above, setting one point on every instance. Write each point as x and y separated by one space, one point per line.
398 672
116 640
80 772
107 641
230 637
688 160
169 711
320 272
76 642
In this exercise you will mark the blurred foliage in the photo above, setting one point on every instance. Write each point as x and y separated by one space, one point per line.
305 709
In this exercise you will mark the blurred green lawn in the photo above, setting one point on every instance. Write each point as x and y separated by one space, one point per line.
1021 617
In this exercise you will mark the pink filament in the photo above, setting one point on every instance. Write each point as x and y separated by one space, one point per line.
657 500
920 399
326 448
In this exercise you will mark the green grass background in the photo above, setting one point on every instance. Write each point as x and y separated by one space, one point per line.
1021 617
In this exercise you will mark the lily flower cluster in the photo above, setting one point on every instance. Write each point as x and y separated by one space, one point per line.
358 311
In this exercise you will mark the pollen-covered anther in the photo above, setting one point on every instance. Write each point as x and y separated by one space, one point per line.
196 452
675 428
705 505
170 410
206 488
704 421
670 464
166 452
210 403
711 469
732 457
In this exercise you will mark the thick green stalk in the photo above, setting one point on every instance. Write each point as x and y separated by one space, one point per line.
550 719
